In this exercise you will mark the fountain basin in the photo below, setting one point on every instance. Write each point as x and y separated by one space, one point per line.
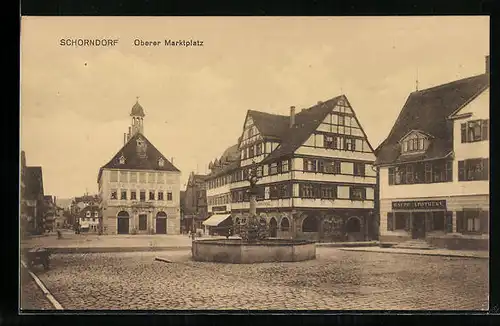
237 251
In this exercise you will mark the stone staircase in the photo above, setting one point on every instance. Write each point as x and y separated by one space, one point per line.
415 244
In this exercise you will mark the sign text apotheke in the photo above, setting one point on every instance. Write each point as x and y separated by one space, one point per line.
420 204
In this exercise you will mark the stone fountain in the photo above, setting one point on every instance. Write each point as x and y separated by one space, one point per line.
254 245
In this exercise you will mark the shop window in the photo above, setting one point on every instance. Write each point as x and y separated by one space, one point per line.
473 221
401 220
438 221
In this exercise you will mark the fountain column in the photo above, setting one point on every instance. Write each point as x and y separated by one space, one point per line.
253 203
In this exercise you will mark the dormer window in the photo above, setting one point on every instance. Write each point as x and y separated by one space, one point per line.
122 159
414 142
161 162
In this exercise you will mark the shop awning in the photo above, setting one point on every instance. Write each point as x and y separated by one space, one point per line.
216 219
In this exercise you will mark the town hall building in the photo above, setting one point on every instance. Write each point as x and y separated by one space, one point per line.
139 187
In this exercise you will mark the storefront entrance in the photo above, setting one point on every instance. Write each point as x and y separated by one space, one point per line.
418 225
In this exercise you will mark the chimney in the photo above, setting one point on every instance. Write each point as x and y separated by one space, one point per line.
487 70
124 138
292 116
172 160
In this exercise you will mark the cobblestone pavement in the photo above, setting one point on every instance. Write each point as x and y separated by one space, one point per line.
336 280
32 297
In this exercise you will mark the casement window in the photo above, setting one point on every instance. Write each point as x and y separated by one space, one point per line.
251 152
418 173
341 120
473 221
350 144
244 153
266 193
284 166
331 167
142 196
258 149
114 194
310 165
473 169
473 131
133 195
284 191
330 142
274 192
328 192
357 193
169 196
160 195
273 168
417 144
123 195
307 191
359 169
246 196
152 195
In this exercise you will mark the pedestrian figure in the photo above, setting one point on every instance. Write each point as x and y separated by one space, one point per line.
59 235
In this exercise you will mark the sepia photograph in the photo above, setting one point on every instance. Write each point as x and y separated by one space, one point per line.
254 163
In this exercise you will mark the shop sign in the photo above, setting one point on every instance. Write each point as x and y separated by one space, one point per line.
419 204
219 208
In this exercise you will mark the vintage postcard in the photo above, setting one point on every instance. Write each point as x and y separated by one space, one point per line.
254 163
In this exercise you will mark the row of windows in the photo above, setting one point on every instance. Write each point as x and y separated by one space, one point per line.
219 200
468 221
414 145
87 219
340 143
310 165
473 131
141 177
89 214
416 173
253 150
313 190
439 171
142 195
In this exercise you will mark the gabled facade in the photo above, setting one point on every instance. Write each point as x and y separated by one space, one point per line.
139 187
316 175
89 218
195 202
434 178
32 197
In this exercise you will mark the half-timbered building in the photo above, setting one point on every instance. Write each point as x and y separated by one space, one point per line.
316 173
434 180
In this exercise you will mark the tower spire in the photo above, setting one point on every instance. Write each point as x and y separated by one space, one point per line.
416 81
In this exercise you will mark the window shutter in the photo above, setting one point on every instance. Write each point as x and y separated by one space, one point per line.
484 222
390 221
460 221
449 222
461 170
391 176
486 173
484 129
463 130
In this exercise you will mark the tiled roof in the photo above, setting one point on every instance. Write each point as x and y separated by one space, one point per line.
229 160
92 209
270 125
34 182
306 122
427 110
135 161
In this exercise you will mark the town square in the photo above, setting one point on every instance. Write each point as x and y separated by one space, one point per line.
308 178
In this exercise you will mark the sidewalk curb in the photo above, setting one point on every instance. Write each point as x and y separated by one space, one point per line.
348 244
417 253
42 287
80 250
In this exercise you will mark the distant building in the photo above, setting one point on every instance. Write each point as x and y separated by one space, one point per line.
79 203
89 218
32 197
434 167
139 187
195 202
317 179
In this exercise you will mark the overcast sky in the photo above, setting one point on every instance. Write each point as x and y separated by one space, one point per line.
76 101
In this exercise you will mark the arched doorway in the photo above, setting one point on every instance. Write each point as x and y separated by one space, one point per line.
310 224
353 228
285 224
161 223
123 223
273 228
